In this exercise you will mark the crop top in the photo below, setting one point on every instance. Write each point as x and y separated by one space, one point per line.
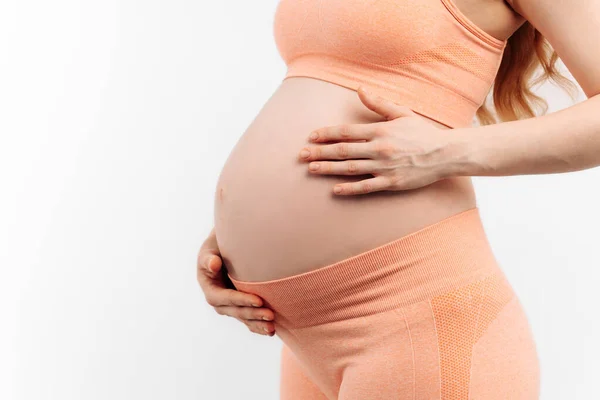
424 54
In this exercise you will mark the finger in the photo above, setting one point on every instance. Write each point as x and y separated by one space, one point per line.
344 132
207 274
262 328
218 296
350 167
212 264
382 106
362 187
209 256
246 313
338 151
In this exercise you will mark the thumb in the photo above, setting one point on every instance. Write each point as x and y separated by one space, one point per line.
209 261
384 107
213 263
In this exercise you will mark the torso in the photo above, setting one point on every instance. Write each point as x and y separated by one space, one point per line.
273 219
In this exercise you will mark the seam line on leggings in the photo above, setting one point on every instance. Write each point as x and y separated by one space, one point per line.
412 348
437 343
482 301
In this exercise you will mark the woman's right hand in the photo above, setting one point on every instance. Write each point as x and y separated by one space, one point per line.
222 295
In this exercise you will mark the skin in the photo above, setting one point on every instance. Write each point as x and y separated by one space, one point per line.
406 152
273 218
413 159
246 308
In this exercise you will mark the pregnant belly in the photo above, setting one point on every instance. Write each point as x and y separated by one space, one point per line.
274 219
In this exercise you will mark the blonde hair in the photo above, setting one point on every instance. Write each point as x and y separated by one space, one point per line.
512 95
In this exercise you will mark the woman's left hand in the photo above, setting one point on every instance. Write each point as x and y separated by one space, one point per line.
403 152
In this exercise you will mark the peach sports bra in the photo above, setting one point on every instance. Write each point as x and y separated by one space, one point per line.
424 54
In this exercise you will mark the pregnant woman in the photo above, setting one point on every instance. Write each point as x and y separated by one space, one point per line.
345 217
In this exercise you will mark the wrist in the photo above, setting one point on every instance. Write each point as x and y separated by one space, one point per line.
460 153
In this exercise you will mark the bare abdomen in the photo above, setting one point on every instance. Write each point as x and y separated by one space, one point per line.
273 219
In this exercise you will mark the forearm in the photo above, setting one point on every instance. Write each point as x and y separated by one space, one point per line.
563 141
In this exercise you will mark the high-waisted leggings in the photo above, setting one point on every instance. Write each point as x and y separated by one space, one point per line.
428 316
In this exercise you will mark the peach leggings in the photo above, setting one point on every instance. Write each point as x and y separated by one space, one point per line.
427 316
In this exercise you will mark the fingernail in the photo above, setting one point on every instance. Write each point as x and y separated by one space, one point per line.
304 153
255 305
313 166
266 318
313 136
266 330
337 190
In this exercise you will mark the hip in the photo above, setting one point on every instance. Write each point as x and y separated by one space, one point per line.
430 315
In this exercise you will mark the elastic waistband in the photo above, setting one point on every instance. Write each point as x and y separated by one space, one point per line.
431 261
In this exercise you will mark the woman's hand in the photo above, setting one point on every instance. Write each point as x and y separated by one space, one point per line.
245 307
404 152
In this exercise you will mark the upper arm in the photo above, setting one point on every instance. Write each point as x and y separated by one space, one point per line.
573 29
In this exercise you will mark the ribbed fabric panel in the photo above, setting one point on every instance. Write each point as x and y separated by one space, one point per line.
423 54
409 85
418 266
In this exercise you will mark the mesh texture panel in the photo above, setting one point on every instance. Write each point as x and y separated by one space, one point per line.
461 318
454 54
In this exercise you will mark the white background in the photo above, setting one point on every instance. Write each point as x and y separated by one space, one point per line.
115 120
